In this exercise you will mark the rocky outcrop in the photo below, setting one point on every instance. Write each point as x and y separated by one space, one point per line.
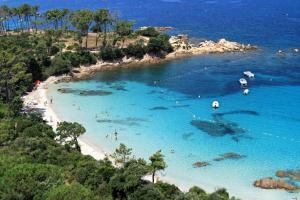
181 45
225 46
270 183
182 48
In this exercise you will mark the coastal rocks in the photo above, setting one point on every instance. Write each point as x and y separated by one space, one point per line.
158 28
229 156
200 164
223 46
270 183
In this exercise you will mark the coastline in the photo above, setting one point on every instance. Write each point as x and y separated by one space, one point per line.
36 99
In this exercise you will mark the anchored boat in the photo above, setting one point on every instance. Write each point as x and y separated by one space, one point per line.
243 82
249 74
215 104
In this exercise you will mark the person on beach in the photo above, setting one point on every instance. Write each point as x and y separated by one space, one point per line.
51 100
116 135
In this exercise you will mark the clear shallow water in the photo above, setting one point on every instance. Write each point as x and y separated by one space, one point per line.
149 117
265 125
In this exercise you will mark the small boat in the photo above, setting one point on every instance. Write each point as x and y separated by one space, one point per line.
246 91
243 82
280 51
215 104
249 74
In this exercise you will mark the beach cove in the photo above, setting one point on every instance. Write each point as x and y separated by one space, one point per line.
168 105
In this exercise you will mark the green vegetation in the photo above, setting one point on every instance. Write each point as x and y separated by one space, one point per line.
37 162
159 45
137 50
149 32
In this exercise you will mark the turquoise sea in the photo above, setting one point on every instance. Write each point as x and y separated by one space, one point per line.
168 106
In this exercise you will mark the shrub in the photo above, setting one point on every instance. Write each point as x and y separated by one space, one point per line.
160 43
147 192
73 58
54 50
86 57
39 130
135 50
70 192
29 181
148 32
59 65
169 191
110 53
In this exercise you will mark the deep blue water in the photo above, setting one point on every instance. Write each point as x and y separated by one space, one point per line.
264 126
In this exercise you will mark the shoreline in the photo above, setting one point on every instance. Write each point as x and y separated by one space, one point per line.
36 99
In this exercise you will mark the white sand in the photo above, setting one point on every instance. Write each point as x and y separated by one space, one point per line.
37 100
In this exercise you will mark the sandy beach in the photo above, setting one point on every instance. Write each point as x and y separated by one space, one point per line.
37 100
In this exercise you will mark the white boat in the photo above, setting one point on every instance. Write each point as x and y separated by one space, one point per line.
215 104
249 74
246 91
243 82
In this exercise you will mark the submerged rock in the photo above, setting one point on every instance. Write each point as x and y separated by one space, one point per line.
270 183
217 129
219 126
281 174
84 92
200 164
291 174
230 155
187 136
129 121
159 108
119 88
95 93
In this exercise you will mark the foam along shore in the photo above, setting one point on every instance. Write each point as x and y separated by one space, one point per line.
37 101
182 49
